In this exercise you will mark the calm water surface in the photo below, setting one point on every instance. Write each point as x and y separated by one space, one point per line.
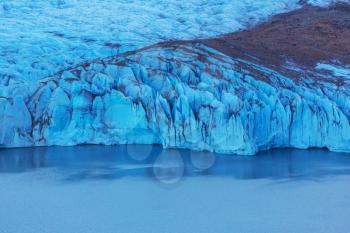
135 188
115 162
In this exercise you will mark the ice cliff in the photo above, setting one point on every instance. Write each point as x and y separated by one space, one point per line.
187 96
183 94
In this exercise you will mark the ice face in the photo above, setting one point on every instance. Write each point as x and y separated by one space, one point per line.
165 94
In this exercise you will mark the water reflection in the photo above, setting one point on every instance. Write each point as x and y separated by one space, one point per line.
115 162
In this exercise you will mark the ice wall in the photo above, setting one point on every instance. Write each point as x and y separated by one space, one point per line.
185 96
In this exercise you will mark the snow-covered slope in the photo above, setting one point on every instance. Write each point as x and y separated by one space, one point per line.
41 37
188 94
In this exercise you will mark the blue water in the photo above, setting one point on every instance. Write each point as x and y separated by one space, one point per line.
115 162
138 188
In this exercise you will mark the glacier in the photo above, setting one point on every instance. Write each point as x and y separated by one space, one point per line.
125 80
178 95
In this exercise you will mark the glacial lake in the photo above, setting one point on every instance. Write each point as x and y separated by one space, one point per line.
145 189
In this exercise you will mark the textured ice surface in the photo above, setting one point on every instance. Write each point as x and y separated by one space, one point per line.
43 36
187 96
339 71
